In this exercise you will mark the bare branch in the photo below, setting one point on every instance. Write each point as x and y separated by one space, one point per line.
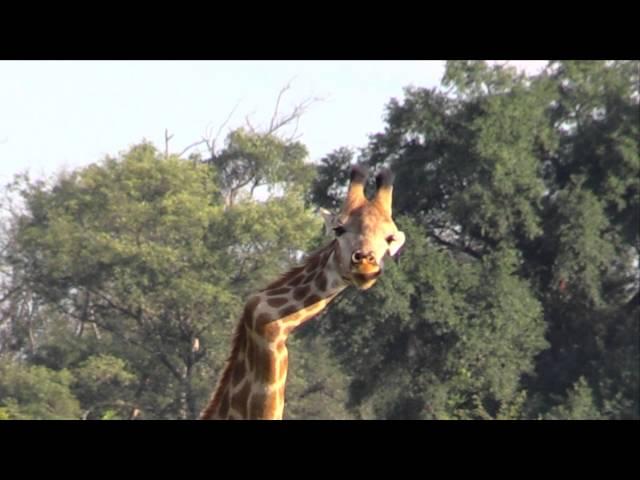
167 363
194 144
275 112
278 121
460 248
10 292
224 124
251 128
208 140
316 387
293 137
167 137
296 113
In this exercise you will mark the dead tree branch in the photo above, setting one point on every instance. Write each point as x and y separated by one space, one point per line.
275 110
167 137
208 140
277 121
194 144
212 145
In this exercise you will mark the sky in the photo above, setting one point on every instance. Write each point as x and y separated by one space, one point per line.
65 114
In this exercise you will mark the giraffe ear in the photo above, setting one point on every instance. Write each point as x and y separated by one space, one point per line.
396 243
329 220
355 193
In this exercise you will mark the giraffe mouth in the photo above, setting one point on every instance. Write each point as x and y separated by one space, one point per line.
365 280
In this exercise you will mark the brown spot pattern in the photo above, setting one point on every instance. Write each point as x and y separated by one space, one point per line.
224 406
239 400
321 281
263 318
240 339
295 281
284 279
312 263
301 292
249 310
277 302
278 291
252 304
238 371
325 258
288 311
251 355
311 300
256 405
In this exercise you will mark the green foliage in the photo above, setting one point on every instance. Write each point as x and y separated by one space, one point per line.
584 247
253 159
579 404
332 176
138 259
100 383
33 392
266 238
317 388
503 194
520 269
437 333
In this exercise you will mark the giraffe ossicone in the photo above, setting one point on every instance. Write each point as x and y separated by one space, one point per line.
252 384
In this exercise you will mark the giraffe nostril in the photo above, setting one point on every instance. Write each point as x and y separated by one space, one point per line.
359 256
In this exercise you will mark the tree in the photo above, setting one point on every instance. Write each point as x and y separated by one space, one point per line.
100 243
251 160
33 392
256 157
520 197
146 267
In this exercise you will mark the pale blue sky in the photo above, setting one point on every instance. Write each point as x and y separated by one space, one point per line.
56 114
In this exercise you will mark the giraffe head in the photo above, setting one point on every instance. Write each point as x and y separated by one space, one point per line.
364 229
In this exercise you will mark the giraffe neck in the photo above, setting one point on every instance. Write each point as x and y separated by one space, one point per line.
253 382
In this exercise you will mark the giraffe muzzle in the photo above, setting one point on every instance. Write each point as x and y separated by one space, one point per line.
364 269
359 257
363 281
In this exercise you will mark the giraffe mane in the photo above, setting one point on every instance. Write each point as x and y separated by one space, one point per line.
284 278
236 342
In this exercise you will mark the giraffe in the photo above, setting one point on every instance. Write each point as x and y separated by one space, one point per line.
252 384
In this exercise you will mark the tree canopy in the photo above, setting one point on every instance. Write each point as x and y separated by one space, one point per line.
520 273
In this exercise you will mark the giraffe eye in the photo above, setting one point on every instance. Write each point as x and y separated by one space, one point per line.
339 230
